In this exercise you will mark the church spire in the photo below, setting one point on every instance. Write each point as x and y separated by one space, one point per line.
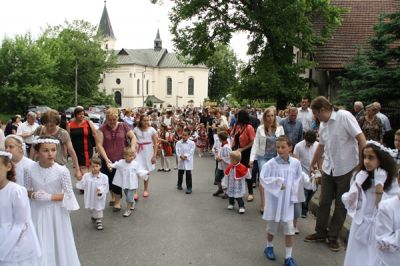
158 41
105 28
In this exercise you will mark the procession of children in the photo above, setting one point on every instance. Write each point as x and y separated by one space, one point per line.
35 224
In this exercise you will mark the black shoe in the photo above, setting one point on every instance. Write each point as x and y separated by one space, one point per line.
218 192
225 196
179 187
116 209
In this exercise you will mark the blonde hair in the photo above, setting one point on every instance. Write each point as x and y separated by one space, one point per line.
128 150
274 125
112 113
237 155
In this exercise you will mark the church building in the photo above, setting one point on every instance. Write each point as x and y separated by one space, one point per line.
152 75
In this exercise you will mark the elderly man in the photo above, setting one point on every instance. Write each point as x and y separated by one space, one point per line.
383 118
305 115
293 128
358 109
26 129
341 141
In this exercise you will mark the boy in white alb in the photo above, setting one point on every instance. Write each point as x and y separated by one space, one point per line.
184 152
223 159
95 185
304 151
280 178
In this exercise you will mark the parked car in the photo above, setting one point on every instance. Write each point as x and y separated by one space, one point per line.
69 112
38 108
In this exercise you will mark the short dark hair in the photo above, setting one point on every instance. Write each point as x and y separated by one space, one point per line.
96 160
310 136
186 130
286 139
223 135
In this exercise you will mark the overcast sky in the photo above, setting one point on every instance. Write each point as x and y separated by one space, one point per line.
134 22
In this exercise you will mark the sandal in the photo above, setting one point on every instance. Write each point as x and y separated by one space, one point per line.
136 197
99 225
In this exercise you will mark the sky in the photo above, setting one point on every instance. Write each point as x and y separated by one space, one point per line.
134 22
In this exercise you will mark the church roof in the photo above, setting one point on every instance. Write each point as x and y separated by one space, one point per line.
355 31
105 28
153 99
151 57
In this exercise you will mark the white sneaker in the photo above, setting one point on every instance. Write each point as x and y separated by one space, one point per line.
230 207
242 210
127 213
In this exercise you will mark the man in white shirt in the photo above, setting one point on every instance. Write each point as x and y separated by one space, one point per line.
26 130
341 141
383 118
305 115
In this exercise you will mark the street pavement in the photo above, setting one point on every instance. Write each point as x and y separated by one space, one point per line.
172 228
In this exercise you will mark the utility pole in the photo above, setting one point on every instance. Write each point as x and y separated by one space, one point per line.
76 82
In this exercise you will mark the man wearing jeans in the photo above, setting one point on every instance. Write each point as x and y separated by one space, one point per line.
341 141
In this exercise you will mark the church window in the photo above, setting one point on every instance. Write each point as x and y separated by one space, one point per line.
191 86
118 81
138 86
169 86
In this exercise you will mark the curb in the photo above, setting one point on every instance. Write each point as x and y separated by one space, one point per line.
313 208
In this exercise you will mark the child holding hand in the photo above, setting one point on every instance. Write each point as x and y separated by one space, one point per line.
126 177
95 185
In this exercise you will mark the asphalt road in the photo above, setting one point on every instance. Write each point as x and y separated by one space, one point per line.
172 228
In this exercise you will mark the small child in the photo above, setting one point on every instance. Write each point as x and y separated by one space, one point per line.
387 231
280 178
362 201
223 159
235 175
201 141
126 177
184 152
95 185
19 243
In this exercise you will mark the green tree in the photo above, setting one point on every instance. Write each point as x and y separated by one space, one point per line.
72 45
274 28
222 78
374 73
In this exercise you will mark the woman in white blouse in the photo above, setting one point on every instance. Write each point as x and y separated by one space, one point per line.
264 147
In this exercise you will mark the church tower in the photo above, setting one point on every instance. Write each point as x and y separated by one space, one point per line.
106 30
157 41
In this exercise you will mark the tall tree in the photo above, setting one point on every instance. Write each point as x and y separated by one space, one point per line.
72 45
274 28
223 77
374 73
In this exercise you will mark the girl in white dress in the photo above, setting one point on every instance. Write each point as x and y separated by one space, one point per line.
362 203
19 245
147 139
126 177
388 232
50 189
95 185
15 145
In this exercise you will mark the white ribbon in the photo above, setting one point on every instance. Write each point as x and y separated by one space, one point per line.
383 148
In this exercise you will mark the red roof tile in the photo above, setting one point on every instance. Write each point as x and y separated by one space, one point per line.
356 29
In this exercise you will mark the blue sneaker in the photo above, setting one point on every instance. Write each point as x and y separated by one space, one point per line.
290 262
269 253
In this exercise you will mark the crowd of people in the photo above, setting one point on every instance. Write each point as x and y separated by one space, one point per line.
289 156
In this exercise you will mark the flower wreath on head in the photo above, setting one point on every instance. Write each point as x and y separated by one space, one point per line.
6 154
41 141
380 146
